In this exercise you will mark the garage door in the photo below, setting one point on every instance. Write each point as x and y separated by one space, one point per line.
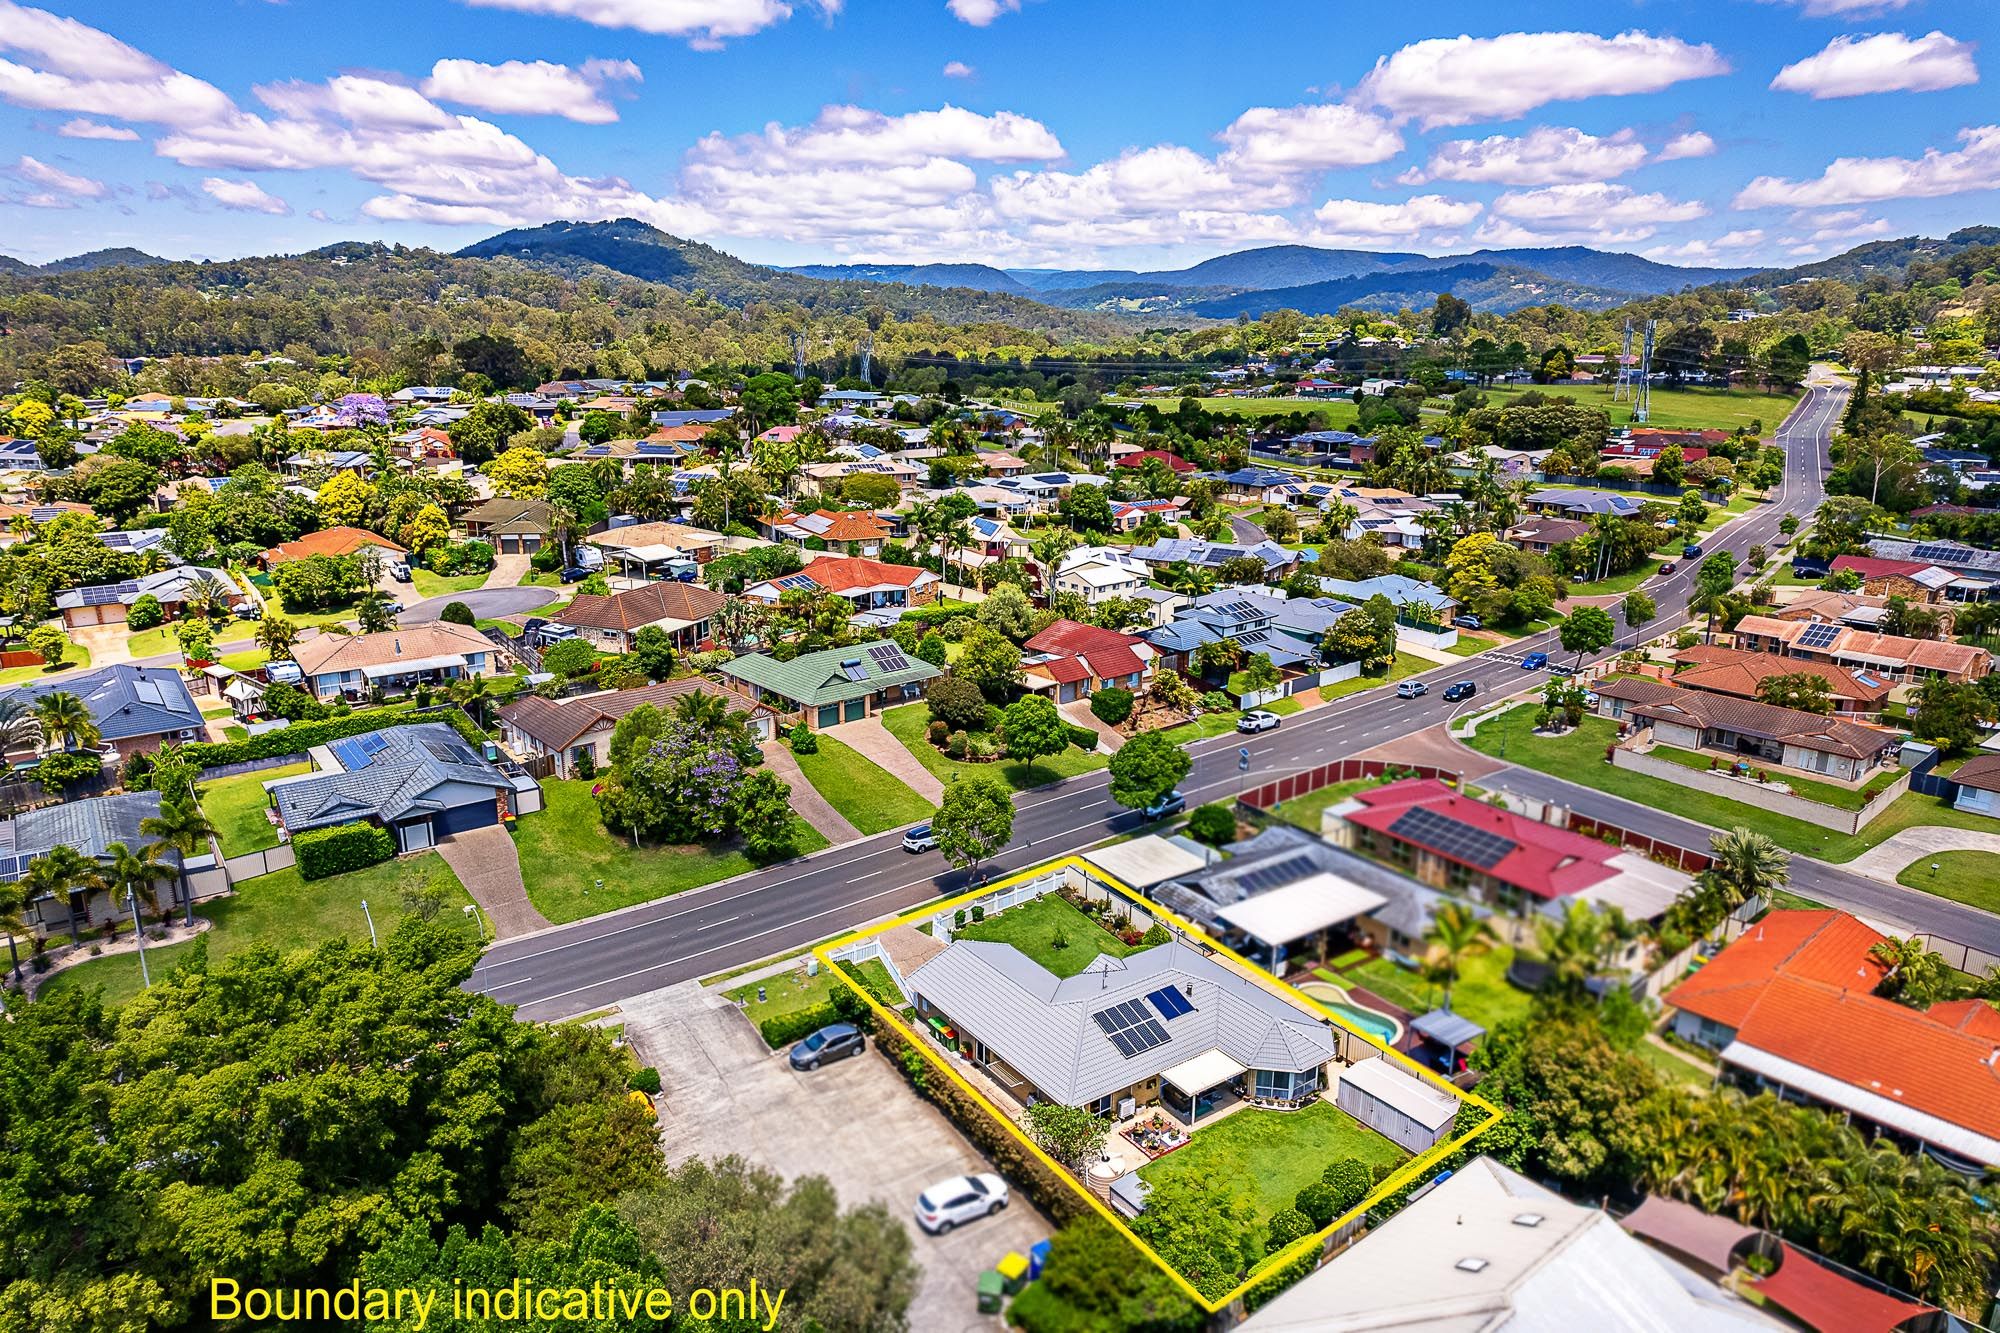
829 715
857 709
478 814
510 545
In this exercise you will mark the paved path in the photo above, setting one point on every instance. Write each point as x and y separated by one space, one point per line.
1244 532
806 800
508 571
873 740
1888 858
486 603
486 862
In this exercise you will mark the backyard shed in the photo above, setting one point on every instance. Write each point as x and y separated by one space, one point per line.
1399 1106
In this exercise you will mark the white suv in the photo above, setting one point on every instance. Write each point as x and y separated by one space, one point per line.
960 1199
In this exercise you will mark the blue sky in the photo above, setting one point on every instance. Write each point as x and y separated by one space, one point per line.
1012 132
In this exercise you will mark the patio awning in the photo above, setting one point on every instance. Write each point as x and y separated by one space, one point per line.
1298 910
1143 862
1686 1230
1448 1029
1203 1072
1822 1299
406 667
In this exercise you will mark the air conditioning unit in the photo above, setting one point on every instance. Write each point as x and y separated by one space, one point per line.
187 733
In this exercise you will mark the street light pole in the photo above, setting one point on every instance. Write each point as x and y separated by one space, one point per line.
371 924
139 937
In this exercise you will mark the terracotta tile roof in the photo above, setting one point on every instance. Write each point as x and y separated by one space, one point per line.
1981 772
1824 604
691 433
1951 658
1974 1016
557 725
1635 689
1869 567
1739 672
1082 651
840 525
1540 860
1826 947
1790 726
340 652
1174 461
639 607
328 541
845 573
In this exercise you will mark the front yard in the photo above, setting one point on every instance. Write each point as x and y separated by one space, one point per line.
866 795
75 657
1051 931
1216 724
284 912
1406 664
1272 1155
236 807
1972 878
908 723
429 585
574 867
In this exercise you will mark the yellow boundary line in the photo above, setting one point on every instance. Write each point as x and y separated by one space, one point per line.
1409 1172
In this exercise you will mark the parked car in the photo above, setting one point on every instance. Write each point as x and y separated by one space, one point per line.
250 611
1170 804
835 1041
1257 720
919 839
1468 622
393 607
400 571
1668 568
1464 689
960 1199
576 574
1690 551
1534 661
1411 689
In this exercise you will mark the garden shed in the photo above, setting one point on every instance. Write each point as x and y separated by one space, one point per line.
1395 1104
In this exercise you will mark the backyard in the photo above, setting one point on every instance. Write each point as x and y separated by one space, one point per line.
908 723
236 807
283 912
866 795
1053 932
1482 993
1305 811
1972 878
1272 1155
574 867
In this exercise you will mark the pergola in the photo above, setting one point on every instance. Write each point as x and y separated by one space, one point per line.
1194 1078
1302 910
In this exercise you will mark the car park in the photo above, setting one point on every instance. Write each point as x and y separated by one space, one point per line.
835 1041
960 1199
919 839
1412 689
1468 622
1170 804
1534 661
1464 689
1257 720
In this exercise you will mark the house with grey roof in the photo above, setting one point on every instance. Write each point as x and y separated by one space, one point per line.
136 708
422 782
1168 1025
91 826
1214 555
111 603
837 685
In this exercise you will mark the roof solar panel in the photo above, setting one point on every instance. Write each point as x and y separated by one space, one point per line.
1448 837
1170 1002
1819 635
1287 871
1942 552
1131 1027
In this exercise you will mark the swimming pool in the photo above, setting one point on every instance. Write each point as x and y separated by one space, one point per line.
1377 1025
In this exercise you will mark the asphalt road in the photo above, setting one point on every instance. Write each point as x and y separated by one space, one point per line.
486 603
588 964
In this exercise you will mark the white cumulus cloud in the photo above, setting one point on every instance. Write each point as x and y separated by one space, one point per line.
1595 212
704 23
958 69
46 186
1847 9
979 13
1267 140
1692 144
1725 249
533 87
244 196
1887 62
1459 80
80 128
1861 180
1426 219
64 65
1548 155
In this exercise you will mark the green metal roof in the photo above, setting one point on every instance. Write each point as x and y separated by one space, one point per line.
827 677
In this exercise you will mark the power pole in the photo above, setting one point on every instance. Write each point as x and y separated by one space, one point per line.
1643 408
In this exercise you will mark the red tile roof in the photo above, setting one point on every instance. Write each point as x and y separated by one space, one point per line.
1739 672
1174 461
845 573
1868 567
328 541
1824 946
1545 861
1082 651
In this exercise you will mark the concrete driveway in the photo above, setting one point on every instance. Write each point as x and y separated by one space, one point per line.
486 603
487 863
856 1122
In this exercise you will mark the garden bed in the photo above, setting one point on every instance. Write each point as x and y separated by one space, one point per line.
1035 926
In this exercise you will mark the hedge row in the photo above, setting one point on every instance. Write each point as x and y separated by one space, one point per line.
302 736
784 1029
324 852
938 612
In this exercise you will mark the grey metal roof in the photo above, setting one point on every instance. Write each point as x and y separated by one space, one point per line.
391 783
89 825
1447 1029
124 700
1042 1025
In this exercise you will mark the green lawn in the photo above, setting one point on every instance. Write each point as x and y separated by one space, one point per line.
1483 993
1341 413
1617 583
429 585
541 578
1035 926
75 656
1972 878
1272 1155
1579 757
285 912
247 660
236 807
1826 793
574 867
907 725
867 796
786 993
1675 1067
274 605
1406 664
1722 409
1304 811
1215 724
160 639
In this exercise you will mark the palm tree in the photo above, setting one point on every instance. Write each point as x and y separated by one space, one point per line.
14 921
374 615
1456 933
701 709
182 826
277 636
135 873
66 721
1744 865
607 473
1916 976
208 597
20 729
1049 548
470 694
1340 516
60 873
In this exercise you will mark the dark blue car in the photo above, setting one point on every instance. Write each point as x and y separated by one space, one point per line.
1534 661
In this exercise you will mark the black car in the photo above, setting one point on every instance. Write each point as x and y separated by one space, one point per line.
576 574
835 1041
1464 689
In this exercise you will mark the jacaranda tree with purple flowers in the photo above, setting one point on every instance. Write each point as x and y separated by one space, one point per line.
361 409
688 784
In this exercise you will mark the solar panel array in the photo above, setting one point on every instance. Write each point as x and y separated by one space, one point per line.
888 657
103 594
1131 1028
1170 1002
1278 873
1820 634
1448 837
1943 554
851 669
797 581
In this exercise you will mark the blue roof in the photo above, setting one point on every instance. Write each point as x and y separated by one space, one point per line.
389 775
704 417
124 700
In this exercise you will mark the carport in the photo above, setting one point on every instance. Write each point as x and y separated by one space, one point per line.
1280 920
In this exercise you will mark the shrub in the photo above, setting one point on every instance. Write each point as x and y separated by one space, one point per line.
784 1029
457 613
1111 706
64 769
957 703
571 657
938 733
955 747
802 739
958 918
586 765
342 848
930 648
1350 1180
1213 824
1155 935
1215 701
145 613
302 736
1082 737
1318 1203
645 1080
1287 1227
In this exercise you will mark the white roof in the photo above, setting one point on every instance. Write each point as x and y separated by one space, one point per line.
1954 1139
1300 909
1102 575
1144 862
1428 1106
1203 1072
1642 889
404 666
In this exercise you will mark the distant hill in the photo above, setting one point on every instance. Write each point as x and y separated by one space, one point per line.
1496 287
122 256
977 277
1884 258
1609 269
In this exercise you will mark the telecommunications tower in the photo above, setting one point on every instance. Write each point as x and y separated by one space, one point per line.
1621 391
1642 408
